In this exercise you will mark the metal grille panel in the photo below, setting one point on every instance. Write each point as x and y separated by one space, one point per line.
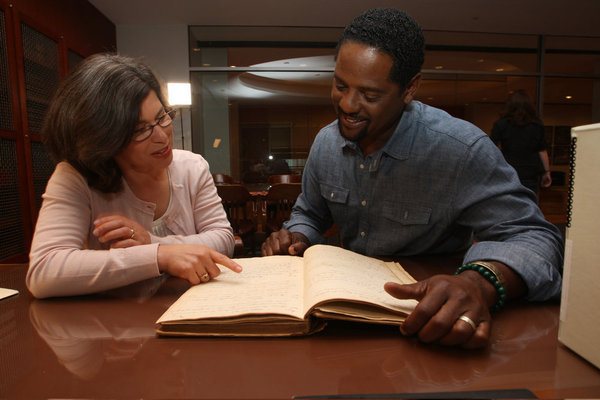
40 60
12 236
43 166
6 119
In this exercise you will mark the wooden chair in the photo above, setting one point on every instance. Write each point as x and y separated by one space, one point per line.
280 200
236 201
222 178
284 178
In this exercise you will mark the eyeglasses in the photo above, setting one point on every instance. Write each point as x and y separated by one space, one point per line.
139 135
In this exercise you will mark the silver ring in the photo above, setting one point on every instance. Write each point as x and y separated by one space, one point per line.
205 277
132 233
468 321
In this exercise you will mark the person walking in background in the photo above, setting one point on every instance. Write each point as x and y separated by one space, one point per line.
520 135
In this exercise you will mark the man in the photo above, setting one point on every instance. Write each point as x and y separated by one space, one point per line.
400 178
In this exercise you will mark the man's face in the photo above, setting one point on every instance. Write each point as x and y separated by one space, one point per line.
369 105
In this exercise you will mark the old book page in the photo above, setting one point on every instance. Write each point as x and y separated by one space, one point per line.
335 273
267 285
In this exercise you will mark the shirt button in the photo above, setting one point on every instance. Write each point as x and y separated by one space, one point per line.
331 195
364 202
362 166
362 234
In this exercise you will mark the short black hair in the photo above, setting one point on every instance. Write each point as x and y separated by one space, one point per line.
392 32
93 115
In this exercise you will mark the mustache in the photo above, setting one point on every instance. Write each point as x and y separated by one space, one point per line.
351 115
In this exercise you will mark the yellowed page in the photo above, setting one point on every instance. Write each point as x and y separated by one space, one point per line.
267 285
336 273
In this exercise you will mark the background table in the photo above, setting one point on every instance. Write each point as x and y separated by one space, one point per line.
104 346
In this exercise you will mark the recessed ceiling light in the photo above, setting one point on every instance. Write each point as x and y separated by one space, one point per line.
499 69
568 97
206 65
439 67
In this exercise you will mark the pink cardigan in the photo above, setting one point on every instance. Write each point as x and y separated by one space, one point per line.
67 259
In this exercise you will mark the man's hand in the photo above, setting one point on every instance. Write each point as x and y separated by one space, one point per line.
443 299
285 242
193 262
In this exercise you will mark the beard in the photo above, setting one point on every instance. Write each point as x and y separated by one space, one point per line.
357 138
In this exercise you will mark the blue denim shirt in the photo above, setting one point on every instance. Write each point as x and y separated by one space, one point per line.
438 185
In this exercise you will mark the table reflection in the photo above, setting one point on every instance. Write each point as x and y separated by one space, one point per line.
406 365
87 332
104 346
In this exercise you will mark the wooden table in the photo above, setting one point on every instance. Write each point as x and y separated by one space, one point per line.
104 346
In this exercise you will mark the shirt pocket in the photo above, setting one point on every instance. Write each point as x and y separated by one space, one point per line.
405 213
334 194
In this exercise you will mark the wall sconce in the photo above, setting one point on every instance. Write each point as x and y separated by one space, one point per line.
180 94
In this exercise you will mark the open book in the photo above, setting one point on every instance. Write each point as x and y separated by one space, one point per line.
288 295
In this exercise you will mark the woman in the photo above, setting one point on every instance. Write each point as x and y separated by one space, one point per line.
122 205
520 134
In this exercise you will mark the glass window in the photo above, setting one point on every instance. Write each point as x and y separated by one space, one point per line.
569 55
261 94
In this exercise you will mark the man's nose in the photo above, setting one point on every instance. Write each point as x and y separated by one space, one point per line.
349 102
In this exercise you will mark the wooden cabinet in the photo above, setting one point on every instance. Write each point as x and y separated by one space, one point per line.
40 41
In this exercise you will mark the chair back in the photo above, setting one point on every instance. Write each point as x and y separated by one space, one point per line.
280 199
284 178
222 178
236 200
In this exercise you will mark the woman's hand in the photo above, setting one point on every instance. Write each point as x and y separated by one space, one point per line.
120 231
194 262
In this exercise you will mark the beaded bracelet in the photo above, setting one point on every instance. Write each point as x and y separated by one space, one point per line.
489 272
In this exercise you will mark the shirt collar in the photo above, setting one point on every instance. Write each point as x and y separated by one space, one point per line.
400 143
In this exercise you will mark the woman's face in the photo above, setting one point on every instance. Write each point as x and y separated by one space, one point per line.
155 153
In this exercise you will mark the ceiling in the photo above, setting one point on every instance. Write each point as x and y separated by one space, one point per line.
556 17
530 17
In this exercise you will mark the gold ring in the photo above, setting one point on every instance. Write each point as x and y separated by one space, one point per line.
468 321
205 277
132 233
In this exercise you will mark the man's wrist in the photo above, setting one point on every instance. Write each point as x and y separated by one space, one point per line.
494 290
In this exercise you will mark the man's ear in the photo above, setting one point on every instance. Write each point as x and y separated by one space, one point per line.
411 88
